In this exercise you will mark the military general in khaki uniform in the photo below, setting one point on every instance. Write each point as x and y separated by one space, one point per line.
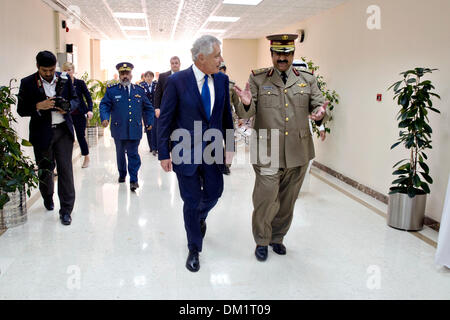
281 99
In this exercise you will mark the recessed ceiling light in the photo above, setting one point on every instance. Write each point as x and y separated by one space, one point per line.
243 2
129 15
223 19
212 30
131 28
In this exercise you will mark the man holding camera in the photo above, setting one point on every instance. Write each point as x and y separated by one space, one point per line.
45 97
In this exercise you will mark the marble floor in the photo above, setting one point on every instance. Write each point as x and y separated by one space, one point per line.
124 245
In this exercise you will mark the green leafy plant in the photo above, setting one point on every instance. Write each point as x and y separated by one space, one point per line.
97 89
330 95
414 97
17 171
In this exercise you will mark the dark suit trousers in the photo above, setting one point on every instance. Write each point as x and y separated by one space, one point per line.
79 123
154 133
200 193
60 151
152 137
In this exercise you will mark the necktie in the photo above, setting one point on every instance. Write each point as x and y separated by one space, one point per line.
206 98
284 77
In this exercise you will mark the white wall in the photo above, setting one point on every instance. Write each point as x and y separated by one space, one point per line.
28 26
359 63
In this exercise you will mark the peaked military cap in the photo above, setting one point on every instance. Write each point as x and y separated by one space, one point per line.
124 66
282 42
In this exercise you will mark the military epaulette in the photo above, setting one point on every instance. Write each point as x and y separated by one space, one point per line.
259 71
301 70
112 85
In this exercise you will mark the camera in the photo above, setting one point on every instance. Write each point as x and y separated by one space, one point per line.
60 101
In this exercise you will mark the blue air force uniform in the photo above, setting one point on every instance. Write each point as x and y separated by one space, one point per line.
126 107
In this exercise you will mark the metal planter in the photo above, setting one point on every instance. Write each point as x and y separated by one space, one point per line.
406 213
92 136
14 212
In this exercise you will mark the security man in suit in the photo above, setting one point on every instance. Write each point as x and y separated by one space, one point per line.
281 99
175 65
234 101
126 104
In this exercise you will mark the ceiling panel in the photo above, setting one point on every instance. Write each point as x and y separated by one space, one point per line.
163 23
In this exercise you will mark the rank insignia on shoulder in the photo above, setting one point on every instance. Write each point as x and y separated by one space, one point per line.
301 70
302 85
259 71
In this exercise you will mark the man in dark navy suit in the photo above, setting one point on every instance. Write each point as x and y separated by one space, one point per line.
196 104
51 130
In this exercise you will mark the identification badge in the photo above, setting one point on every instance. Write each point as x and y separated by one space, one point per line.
117 97
267 87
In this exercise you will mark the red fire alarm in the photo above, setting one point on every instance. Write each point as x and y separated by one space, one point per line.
379 96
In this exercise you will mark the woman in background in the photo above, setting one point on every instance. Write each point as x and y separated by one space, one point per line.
79 115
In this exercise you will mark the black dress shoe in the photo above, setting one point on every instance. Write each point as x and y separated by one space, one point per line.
278 248
65 219
226 170
261 253
193 262
134 186
48 204
203 227
121 180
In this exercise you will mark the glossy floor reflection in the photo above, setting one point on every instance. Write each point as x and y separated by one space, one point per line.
124 245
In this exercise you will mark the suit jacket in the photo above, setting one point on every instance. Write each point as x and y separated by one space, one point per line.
160 87
83 96
126 111
32 92
182 106
283 107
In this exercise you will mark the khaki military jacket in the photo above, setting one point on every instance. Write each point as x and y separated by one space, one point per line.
234 99
285 108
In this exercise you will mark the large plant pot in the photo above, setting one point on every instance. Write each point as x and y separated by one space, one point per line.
92 136
406 213
14 212
100 131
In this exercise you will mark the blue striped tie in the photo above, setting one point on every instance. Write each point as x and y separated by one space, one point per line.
206 98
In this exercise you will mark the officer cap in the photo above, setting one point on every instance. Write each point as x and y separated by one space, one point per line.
283 43
124 66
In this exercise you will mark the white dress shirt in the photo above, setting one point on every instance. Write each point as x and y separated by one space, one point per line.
50 92
200 77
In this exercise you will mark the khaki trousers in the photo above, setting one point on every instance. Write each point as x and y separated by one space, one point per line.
274 197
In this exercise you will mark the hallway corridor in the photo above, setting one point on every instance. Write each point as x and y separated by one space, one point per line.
124 245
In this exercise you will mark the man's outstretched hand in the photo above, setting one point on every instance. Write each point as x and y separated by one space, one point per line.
245 95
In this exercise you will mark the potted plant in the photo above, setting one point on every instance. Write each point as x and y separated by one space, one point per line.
18 173
330 95
97 89
407 196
